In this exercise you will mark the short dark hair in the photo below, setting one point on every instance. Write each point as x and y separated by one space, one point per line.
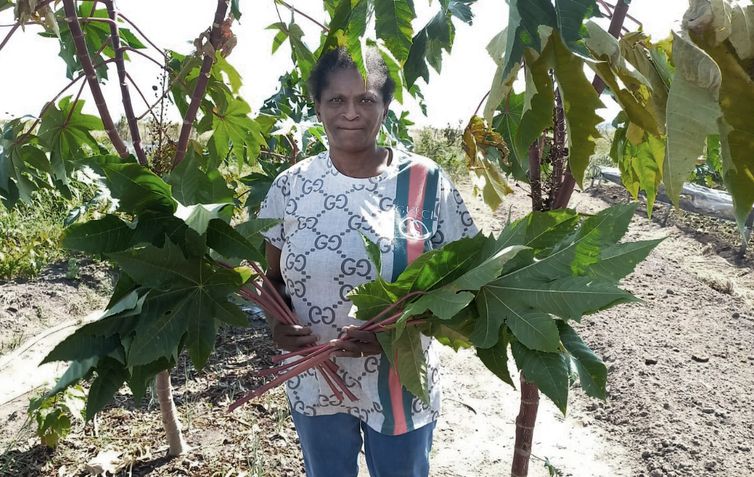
377 71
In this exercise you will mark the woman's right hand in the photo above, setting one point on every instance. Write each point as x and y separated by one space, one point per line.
292 337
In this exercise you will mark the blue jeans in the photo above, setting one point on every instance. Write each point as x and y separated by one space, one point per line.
331 445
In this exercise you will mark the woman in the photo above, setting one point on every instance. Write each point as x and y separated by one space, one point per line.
403 203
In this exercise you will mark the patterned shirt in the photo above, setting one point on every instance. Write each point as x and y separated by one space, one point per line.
409 208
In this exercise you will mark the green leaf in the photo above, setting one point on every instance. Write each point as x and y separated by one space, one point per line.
736 132
549 371
535 330
496 358
141 376
234 9
619 260
229 243
630 89
443 303
234 128
580 102
110 377
645 162
415 66
692 112
393 25
492 313
82 345
137 188
191 185
75 372
571 15
540 98
67 133
507 123
163 321
152 266
373 252
108 234
592 371
568 297
408 359
533 14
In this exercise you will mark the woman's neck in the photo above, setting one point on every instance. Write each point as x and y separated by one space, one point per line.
361 164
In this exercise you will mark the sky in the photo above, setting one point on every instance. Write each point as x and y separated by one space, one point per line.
31 72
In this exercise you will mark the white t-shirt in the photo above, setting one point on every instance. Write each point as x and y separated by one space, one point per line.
410 208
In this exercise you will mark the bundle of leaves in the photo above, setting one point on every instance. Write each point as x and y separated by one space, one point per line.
518 291
173 242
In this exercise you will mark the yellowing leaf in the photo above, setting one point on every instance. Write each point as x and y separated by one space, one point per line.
485 149
580 103
692 113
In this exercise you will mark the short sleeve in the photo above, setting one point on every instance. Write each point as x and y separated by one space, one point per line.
273 207
453 218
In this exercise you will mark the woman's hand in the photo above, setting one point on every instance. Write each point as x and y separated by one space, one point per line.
362 343
292 337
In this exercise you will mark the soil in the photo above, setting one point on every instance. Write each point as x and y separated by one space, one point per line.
681 372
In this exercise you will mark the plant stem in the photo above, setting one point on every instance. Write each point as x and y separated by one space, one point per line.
294 9
201 83
52 101
527 417
144 98
10 34
146 38
535 175
71 17
133 125
141 53
169 415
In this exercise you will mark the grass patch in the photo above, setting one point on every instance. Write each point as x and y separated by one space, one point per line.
30 235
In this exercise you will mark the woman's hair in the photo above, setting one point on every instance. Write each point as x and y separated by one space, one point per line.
377 72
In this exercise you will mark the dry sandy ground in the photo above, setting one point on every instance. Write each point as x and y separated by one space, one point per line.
680 383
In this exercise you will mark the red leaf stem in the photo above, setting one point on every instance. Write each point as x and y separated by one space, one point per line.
133 25
141 53
201 83
315 360
71 17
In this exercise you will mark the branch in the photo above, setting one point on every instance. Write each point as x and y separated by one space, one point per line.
479 106
201 82
294 9
139 52
71 18
144 98
55 98
73 105
15 26
133 25
133 126
10 34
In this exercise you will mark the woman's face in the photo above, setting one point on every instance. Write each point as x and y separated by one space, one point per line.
352 113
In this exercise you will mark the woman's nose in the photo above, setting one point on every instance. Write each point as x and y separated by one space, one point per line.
350 113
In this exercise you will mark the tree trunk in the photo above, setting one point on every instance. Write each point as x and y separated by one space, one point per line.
169 415
527 418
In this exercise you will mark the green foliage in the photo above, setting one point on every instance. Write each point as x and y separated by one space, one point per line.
542 272
442 146
30 235
55 414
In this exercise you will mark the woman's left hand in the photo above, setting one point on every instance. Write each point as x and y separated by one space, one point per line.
360 344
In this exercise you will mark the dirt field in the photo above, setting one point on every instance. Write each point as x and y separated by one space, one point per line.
681 375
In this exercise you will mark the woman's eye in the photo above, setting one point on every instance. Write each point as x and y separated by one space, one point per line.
336 100
367 100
